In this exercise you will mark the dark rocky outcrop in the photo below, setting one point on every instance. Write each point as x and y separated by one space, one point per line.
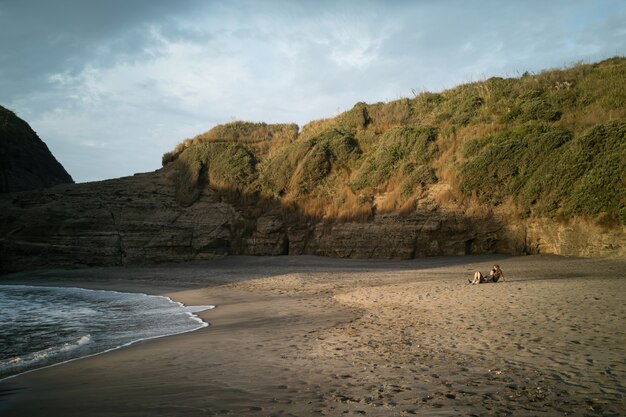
137 220
26 163
117 222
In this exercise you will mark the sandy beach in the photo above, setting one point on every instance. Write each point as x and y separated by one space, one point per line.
308 336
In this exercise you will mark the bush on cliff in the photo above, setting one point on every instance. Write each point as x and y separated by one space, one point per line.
301 166
548 171
260 135
400 150
228 166
552 142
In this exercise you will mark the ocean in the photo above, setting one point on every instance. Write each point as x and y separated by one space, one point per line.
44 326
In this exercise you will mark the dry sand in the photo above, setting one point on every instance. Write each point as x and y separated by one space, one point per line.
306 336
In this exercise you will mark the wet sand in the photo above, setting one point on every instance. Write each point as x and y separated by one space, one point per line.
307 336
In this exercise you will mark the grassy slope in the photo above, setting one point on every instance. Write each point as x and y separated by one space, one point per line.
547 145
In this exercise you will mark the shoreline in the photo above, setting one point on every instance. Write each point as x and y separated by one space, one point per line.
193 315
319 336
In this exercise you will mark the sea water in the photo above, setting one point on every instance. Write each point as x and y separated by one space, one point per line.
43 326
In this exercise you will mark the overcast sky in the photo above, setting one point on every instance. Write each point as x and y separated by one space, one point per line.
112 85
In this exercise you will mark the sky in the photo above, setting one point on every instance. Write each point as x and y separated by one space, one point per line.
112 85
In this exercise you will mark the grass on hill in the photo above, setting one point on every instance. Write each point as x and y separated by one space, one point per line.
553 143
302 166
260 135
550 172
404 151
221 164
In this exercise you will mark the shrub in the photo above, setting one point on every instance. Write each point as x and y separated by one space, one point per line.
397 147
301 166
547 170
384 116
250 133
538 109
600 156
552 144
224 165
466 110
498 165
261 135
354 119
416 177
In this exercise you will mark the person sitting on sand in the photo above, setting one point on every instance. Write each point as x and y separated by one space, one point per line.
494 276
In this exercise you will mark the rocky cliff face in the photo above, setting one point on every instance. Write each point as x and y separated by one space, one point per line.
117 222
136 220
25 161
576 237
521 165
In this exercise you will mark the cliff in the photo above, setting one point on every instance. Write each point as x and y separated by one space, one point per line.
534 164
137 220
26 163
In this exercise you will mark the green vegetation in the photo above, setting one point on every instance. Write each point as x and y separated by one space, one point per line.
553 144
222 165
301 166
259 135
401 150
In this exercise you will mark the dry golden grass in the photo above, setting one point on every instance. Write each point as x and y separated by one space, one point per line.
444 197
448 190
451 143
342 206
349 207
388 202
391 198
381 128
263 137
314 127
592 115
308 207
509 210
334 167
477 209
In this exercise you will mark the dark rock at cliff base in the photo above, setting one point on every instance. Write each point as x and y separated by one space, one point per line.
26 163
137 220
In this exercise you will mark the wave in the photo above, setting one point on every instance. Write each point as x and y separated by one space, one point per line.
43 355
96 337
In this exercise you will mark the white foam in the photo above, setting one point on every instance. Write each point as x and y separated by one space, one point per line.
34 358
42 355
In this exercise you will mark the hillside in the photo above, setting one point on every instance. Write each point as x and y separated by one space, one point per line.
534 164
26 163
550 145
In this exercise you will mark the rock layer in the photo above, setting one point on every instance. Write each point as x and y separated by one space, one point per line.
136 220
576 237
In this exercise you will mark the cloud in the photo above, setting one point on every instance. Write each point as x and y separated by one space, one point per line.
110 87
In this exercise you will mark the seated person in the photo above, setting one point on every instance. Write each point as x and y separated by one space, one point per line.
494 276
